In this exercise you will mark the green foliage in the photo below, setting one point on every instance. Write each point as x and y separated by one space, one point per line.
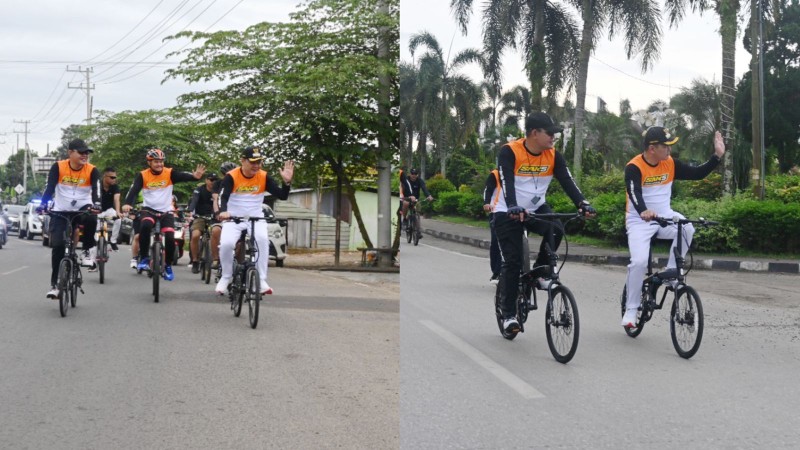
785 188
768 226
612 181
447 202
709 188
610 221
722 238
470 204
439 184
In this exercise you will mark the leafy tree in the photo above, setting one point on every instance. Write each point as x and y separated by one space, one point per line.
310 89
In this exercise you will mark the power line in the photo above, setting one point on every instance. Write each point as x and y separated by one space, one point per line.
629 75
126 34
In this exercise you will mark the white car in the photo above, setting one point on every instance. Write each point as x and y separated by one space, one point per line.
30 222
276 228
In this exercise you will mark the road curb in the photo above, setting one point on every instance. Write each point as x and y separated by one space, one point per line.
623 260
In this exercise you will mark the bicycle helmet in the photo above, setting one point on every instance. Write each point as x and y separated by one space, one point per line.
226 167
155 153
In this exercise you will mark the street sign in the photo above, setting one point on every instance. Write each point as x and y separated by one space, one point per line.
19 189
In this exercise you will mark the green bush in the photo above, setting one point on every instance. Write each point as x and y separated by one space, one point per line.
769 226
438 184
470 205
722 238
612 182
447 203
610 221
785 188
709 188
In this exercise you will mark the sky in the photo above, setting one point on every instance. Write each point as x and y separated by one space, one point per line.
121 40
691 51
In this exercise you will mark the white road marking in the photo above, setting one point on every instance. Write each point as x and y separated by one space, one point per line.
514 382
15 270
456 253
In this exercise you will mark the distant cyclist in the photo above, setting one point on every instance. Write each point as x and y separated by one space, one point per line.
410 188
201 204
241 194
74 185
109 199
156 184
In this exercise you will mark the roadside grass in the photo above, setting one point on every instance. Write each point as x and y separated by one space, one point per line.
596 242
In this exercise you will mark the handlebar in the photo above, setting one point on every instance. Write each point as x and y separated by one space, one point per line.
663 221
239 219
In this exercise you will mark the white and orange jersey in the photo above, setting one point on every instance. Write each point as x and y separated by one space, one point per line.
656 187
157 190
74 187
532 176
496 188
247 194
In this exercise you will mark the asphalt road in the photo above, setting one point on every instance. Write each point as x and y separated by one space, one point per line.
320 371
464 386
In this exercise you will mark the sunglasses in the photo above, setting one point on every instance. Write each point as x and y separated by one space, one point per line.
549 133
84 152
113 178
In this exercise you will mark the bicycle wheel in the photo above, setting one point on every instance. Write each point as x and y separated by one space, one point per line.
75 284
632 332
102 256
237 290
64 289
410 228
562 324
498 309
253 295
205 260
155 267
524 295
686 322
417 230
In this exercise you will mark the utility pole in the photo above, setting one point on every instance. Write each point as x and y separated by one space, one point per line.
88 86
25 158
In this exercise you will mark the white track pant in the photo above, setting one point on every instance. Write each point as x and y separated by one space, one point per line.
639 235
230 234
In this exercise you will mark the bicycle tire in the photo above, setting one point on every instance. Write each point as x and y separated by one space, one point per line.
155 268
415 219
207 261
237 292
102 255
410 229
64 289
632 332
524 296
253 288
562 324
76 282
498 310
686 322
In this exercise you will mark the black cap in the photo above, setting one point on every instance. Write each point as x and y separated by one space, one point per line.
413 172
252 154
540 120
79 146
211 176
658 135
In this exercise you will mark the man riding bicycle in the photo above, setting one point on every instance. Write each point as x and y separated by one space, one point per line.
526 167
241 194
74 185
109 203
410 187
202 204
648 185
156 184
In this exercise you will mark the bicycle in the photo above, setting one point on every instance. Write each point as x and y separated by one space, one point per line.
102 247
246 281
204 256
70 278
562 323
413 229
686 314
157 257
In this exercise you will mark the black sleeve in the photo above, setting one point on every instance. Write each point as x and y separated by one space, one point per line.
633 187
561 173
225 187
403 185
96 180
505 165
491 183
50 187
180 177
423 187
281 192
193 201
133 192
687 172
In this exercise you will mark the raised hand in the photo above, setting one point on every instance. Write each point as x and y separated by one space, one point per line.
287 173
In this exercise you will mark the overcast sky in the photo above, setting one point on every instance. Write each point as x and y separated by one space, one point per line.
40 38
692 51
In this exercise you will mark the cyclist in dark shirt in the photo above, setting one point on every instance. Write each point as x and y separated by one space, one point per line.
109 200
410 187
202 204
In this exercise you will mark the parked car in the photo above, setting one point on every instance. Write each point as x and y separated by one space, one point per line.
276 228
30 223
14 212
3 228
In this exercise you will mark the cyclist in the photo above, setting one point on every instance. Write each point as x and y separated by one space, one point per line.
156 184
109 203
648 185
410 187
73 184
202 204
241 194
526 167
491 193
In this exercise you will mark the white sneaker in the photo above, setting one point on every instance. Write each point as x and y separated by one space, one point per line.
511 325
222 286
544 283
629 319
265 289
133 263
88 257
52 293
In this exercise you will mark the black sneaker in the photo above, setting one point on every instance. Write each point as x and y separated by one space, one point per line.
114 246
196 267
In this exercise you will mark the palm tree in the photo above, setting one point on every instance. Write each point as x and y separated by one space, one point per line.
699 108
548 36
727 10
442 77
613 137
517 104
